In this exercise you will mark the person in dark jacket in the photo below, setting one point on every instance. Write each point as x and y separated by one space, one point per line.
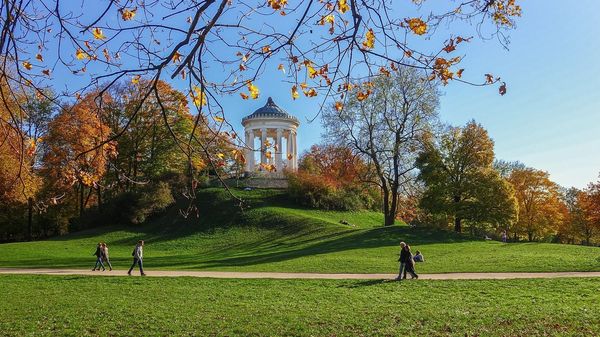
99 257
406 262
410 264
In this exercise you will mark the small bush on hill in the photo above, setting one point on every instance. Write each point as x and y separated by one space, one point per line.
329 177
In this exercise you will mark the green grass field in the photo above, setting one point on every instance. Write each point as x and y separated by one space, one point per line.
272 235
119 306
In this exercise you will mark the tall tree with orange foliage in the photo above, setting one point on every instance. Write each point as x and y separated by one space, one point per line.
69 161
541 209
590 200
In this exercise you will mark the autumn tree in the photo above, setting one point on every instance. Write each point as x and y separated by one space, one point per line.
384 121
540 204
589 228
69 161
217 48
333 177
461 183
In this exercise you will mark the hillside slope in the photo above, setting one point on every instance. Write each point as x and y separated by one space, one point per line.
273 235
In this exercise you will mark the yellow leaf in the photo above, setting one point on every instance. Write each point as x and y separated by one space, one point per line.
369 41
27 65
219 119
417 25
135 79
199 98
343 6
98 34
289 156
312 73
268 154
254 92
39 57
80 54
128 14
295 92
220 155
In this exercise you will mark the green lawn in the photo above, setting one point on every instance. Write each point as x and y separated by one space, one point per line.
119 306
273 235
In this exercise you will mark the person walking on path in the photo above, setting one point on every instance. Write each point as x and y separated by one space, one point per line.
99 257
138 256
410 264
105 256
405 259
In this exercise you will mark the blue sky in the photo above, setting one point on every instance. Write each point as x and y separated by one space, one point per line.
550 117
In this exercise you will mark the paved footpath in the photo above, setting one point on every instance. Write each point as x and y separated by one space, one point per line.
269 275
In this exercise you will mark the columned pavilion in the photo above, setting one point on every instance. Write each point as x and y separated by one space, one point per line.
276 131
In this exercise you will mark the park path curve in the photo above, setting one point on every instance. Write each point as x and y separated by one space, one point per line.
272 275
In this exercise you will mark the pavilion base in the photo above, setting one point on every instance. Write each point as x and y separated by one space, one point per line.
266 180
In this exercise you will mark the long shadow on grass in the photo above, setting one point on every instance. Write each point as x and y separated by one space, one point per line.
360 239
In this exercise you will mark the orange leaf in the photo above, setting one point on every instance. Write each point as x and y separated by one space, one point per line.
128 14
502 89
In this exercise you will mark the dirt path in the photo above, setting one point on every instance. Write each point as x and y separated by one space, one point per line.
269 275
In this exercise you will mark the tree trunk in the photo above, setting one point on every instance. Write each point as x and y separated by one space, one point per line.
386 207
457 224
530 236
30 218
99 193
457 218
80 199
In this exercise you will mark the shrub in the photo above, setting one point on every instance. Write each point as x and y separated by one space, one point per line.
313 191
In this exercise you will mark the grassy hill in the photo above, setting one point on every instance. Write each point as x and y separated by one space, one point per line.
274 235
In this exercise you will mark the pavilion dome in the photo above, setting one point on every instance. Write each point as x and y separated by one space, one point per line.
270 110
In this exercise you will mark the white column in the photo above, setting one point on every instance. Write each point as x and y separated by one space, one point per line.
263 141
294 151
279 150
250 151
288 150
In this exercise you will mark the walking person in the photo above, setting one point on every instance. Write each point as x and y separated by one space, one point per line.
410 265
138 256
105 256
402 260
504 236
99 256
406 262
